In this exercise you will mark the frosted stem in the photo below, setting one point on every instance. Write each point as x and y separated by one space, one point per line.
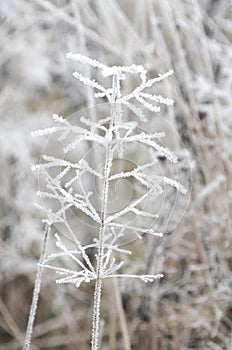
36 292
96 314
98 284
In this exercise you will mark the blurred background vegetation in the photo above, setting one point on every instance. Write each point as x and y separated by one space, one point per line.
191 308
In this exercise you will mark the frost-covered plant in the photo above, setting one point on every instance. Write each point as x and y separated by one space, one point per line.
67 186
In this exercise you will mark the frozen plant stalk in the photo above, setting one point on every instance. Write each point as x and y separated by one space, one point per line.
113 134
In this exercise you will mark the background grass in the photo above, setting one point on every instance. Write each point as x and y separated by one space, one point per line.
191 307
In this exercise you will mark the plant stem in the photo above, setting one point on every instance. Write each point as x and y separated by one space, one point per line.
98 284
36 292
121 314
100 254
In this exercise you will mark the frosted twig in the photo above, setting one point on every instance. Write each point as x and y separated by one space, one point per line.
36 292
128 209
144 278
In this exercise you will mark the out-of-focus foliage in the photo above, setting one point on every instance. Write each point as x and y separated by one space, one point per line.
191 307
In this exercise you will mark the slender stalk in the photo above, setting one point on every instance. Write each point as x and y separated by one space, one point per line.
121 314
100 254
98 284
36 292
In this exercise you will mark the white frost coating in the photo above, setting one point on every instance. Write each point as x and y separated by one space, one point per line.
43 132
175 184
159 99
